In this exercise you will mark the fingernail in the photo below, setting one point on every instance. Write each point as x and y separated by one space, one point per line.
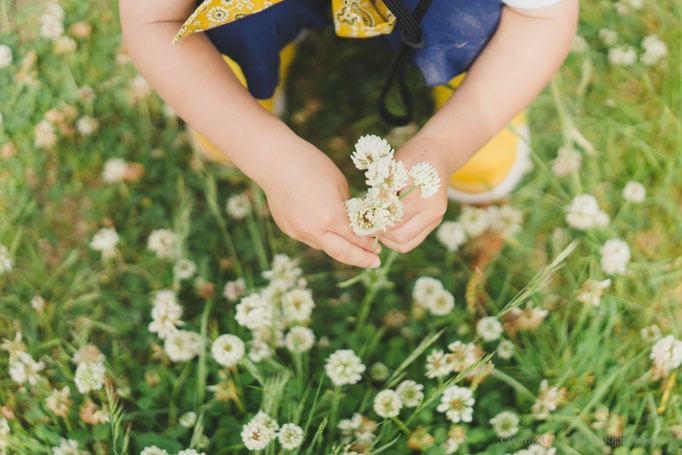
376 263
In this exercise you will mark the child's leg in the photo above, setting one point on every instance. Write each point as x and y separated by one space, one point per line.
274 104
495 169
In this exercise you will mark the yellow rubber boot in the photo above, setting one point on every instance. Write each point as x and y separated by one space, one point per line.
274 104
497 167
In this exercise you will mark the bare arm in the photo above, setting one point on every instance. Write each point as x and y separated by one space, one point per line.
305 190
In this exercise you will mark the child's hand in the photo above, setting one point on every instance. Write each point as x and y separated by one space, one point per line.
306 197
421 215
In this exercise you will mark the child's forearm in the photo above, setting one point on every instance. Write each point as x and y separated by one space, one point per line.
527 48
193 79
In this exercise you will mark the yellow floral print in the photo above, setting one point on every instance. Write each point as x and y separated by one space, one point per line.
352 18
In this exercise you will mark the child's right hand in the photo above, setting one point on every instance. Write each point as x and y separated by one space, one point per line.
306 194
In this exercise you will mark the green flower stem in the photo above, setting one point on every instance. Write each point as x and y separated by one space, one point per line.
335 412
257 241
173 410
401 425
374 287
407 192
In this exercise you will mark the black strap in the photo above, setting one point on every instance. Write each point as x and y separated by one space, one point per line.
412 38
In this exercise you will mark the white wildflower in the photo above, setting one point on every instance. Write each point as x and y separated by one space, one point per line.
387 175
654 50
379 372
259 351
505 219
608 37
5 55
227 350
191 452
651 333
299 339
23 368
584 213
238 206
5 260
592 291
253 312
567 161
234 289
461 356
290 436
441 304
87 125
115 170
153 450
188 419
456 402
284 269
66 447
256 436
505 424
505 349
139 87
426 178
298 305
344 367
367 215
38 303
615 256
184 269
579 45
489 328
622 55
369 149
45 136
163 243
410 393
634 192
182 345
166 314
474 220
51 27
667 354
105 241
89 376
426 288
387 404
437 364
59 402
547 400
451 234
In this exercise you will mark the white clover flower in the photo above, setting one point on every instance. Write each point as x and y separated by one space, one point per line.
59 402
426 288
387 175
191 452
474 220
579 45
253 312
489 328
5 260
437 364
290 436
584 213
547 400
182 345
622 55
163 243
188 419
505 349
609 37
634 192
367 215
87 125
461 356
615 256
5 55
567 161
667 354
89 376
45 136
184 269
284 269
654 50
51 27
387 404
505 424
38 303
166 314
168 111
451 235
234 289
227 350
66 447
238 206
651 333
410 393
505 219
256 436
592 291
105 241
441 304
298 305
426 178
139 88
4 429
299 339
153 450
369 149
24 369
457 403
390 204
344 367
450 445
115 170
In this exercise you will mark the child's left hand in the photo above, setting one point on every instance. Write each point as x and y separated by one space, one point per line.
421 215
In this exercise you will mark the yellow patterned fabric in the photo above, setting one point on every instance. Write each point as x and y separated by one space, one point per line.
352 18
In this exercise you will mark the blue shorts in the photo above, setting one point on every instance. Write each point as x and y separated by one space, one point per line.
455 33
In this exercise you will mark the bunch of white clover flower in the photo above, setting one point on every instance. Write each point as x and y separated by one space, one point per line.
457 404
615 257
474 221
163 243
584 213
5 260
381 207
667 354
654 50
153 450
262 429
283 305
430 294
52 22
461 356
179 345
105 241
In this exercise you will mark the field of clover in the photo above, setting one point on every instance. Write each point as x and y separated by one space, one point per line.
149 305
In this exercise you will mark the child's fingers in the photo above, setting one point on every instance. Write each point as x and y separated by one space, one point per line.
364 242
344 251
411 234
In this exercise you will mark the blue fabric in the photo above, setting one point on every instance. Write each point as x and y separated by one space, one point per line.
455 31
